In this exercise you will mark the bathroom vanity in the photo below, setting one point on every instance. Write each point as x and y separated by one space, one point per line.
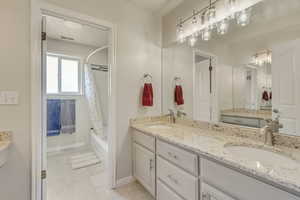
181 162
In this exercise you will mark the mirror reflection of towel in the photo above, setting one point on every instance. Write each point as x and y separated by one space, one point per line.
178 95
68 113
265 96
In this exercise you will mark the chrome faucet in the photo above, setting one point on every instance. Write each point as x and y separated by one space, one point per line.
180 113
272 127
172 116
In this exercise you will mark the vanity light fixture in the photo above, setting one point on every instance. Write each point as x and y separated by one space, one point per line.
206 34
193 40
216 15
243 18
223 27
180 31
261 58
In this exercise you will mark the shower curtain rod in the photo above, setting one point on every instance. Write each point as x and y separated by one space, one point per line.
95 51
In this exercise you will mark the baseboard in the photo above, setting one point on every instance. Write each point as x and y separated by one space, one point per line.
66 147
125 181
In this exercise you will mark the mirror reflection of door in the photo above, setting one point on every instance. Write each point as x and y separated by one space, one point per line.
202 90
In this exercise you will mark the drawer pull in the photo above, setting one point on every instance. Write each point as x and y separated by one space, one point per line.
151 164
172 179
172 155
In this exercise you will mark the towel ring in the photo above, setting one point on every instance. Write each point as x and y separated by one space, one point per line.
177 80
148 76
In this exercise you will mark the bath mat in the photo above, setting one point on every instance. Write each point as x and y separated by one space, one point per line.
84 160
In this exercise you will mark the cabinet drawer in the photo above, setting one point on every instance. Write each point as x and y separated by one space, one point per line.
210 193
178 156
239 185
180 181
241 121
164 193
144 140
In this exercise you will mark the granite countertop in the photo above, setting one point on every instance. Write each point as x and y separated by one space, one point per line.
212 144
248 113
5 139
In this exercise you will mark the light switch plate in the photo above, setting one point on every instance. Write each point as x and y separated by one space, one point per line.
2 98
9 98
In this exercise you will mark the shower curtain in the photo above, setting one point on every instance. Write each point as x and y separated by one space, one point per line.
92 97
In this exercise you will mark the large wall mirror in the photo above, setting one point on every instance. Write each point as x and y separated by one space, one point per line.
243 77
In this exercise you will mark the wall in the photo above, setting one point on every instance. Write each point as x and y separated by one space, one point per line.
138 52
15 76
178 62
83 123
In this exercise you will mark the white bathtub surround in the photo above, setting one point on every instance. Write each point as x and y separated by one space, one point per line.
211 141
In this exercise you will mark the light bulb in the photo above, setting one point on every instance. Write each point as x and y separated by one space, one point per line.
180 31
231 6
223 26
193 40
194 23
211 13
244 17
206 34
181 39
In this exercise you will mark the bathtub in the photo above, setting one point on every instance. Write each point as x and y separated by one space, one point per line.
99 145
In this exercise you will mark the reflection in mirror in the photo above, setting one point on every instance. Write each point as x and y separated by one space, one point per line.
254 70
247 97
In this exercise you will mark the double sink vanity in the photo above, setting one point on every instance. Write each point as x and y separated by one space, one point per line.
192 160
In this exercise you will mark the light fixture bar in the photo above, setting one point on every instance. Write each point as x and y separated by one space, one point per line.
221 14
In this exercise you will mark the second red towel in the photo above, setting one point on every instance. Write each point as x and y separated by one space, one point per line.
178 95
147 95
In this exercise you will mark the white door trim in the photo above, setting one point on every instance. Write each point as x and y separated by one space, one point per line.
214 97
37 10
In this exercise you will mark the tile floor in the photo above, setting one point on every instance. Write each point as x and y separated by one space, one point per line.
90 183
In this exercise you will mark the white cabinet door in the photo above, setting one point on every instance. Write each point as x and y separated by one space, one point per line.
286 85
144 167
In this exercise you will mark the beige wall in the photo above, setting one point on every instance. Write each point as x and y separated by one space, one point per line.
138 52
15 76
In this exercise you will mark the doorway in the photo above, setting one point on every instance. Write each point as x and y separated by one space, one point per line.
205 95
77 143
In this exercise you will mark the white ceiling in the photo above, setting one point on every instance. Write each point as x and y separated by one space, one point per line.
161 7
82 34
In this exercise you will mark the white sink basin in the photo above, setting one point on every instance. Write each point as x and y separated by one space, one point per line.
159 126
262 157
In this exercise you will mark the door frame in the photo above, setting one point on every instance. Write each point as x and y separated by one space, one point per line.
37 11
214 96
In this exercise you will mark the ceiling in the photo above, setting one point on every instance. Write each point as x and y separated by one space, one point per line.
160 7
74 32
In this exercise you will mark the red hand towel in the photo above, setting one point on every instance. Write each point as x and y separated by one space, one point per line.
147 95
265 96
179 95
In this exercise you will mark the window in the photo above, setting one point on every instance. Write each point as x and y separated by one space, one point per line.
63 75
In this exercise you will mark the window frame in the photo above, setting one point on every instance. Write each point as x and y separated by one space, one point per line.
61 57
